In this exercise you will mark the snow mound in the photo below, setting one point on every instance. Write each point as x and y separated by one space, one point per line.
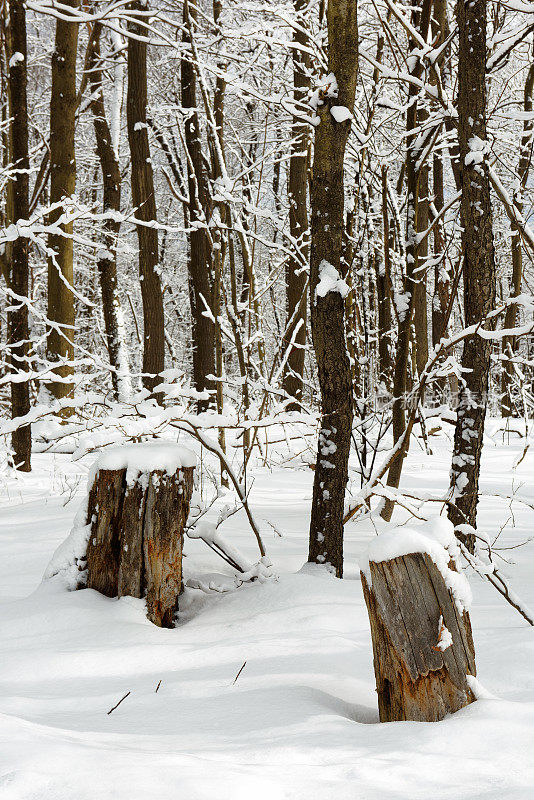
435 538
68 561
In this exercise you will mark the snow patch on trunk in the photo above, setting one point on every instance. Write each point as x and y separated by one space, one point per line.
330 281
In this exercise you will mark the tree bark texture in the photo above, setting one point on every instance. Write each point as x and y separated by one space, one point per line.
61 306
478 261
200 262
18 328
408 602
136 539
296 279
328 312
144 200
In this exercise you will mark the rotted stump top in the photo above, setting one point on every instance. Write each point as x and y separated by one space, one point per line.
137 508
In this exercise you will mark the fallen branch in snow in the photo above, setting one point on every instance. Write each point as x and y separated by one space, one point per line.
210 536
187 426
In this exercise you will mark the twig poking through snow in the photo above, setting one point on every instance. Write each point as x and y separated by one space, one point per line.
239 673
120 701
157 687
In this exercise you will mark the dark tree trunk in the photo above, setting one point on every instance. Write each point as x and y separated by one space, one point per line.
144 200
18 329
136 539
442 283
421 225
478 264
200 262
509 344
408 602
107 263
63 104
384 292
328 311
421 19
296 279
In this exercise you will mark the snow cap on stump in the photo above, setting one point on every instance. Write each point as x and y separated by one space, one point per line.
417 598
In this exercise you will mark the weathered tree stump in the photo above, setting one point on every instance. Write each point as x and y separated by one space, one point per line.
137 508
422 643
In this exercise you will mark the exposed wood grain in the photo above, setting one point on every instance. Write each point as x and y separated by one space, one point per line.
167 507
135 546
415 680
105 505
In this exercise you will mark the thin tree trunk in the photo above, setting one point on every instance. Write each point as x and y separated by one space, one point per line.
144 200
61 308
218 256
421 224
479 262
200 262
328 308
442 284
18 329
509 344
384 290
296 279
406 314
107 262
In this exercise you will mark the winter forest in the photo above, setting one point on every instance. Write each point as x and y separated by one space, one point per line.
266 399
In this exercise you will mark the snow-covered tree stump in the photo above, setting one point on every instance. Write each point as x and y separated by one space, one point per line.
137 509
422 642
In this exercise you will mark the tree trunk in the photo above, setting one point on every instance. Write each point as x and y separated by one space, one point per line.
200 262
18 329
421 225
296 279
409 609
144 201
135 544
509 344
402 357
384 292
478 265
442 283
107 262
61 309
328 311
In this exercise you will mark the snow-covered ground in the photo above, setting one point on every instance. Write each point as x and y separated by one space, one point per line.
301 720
